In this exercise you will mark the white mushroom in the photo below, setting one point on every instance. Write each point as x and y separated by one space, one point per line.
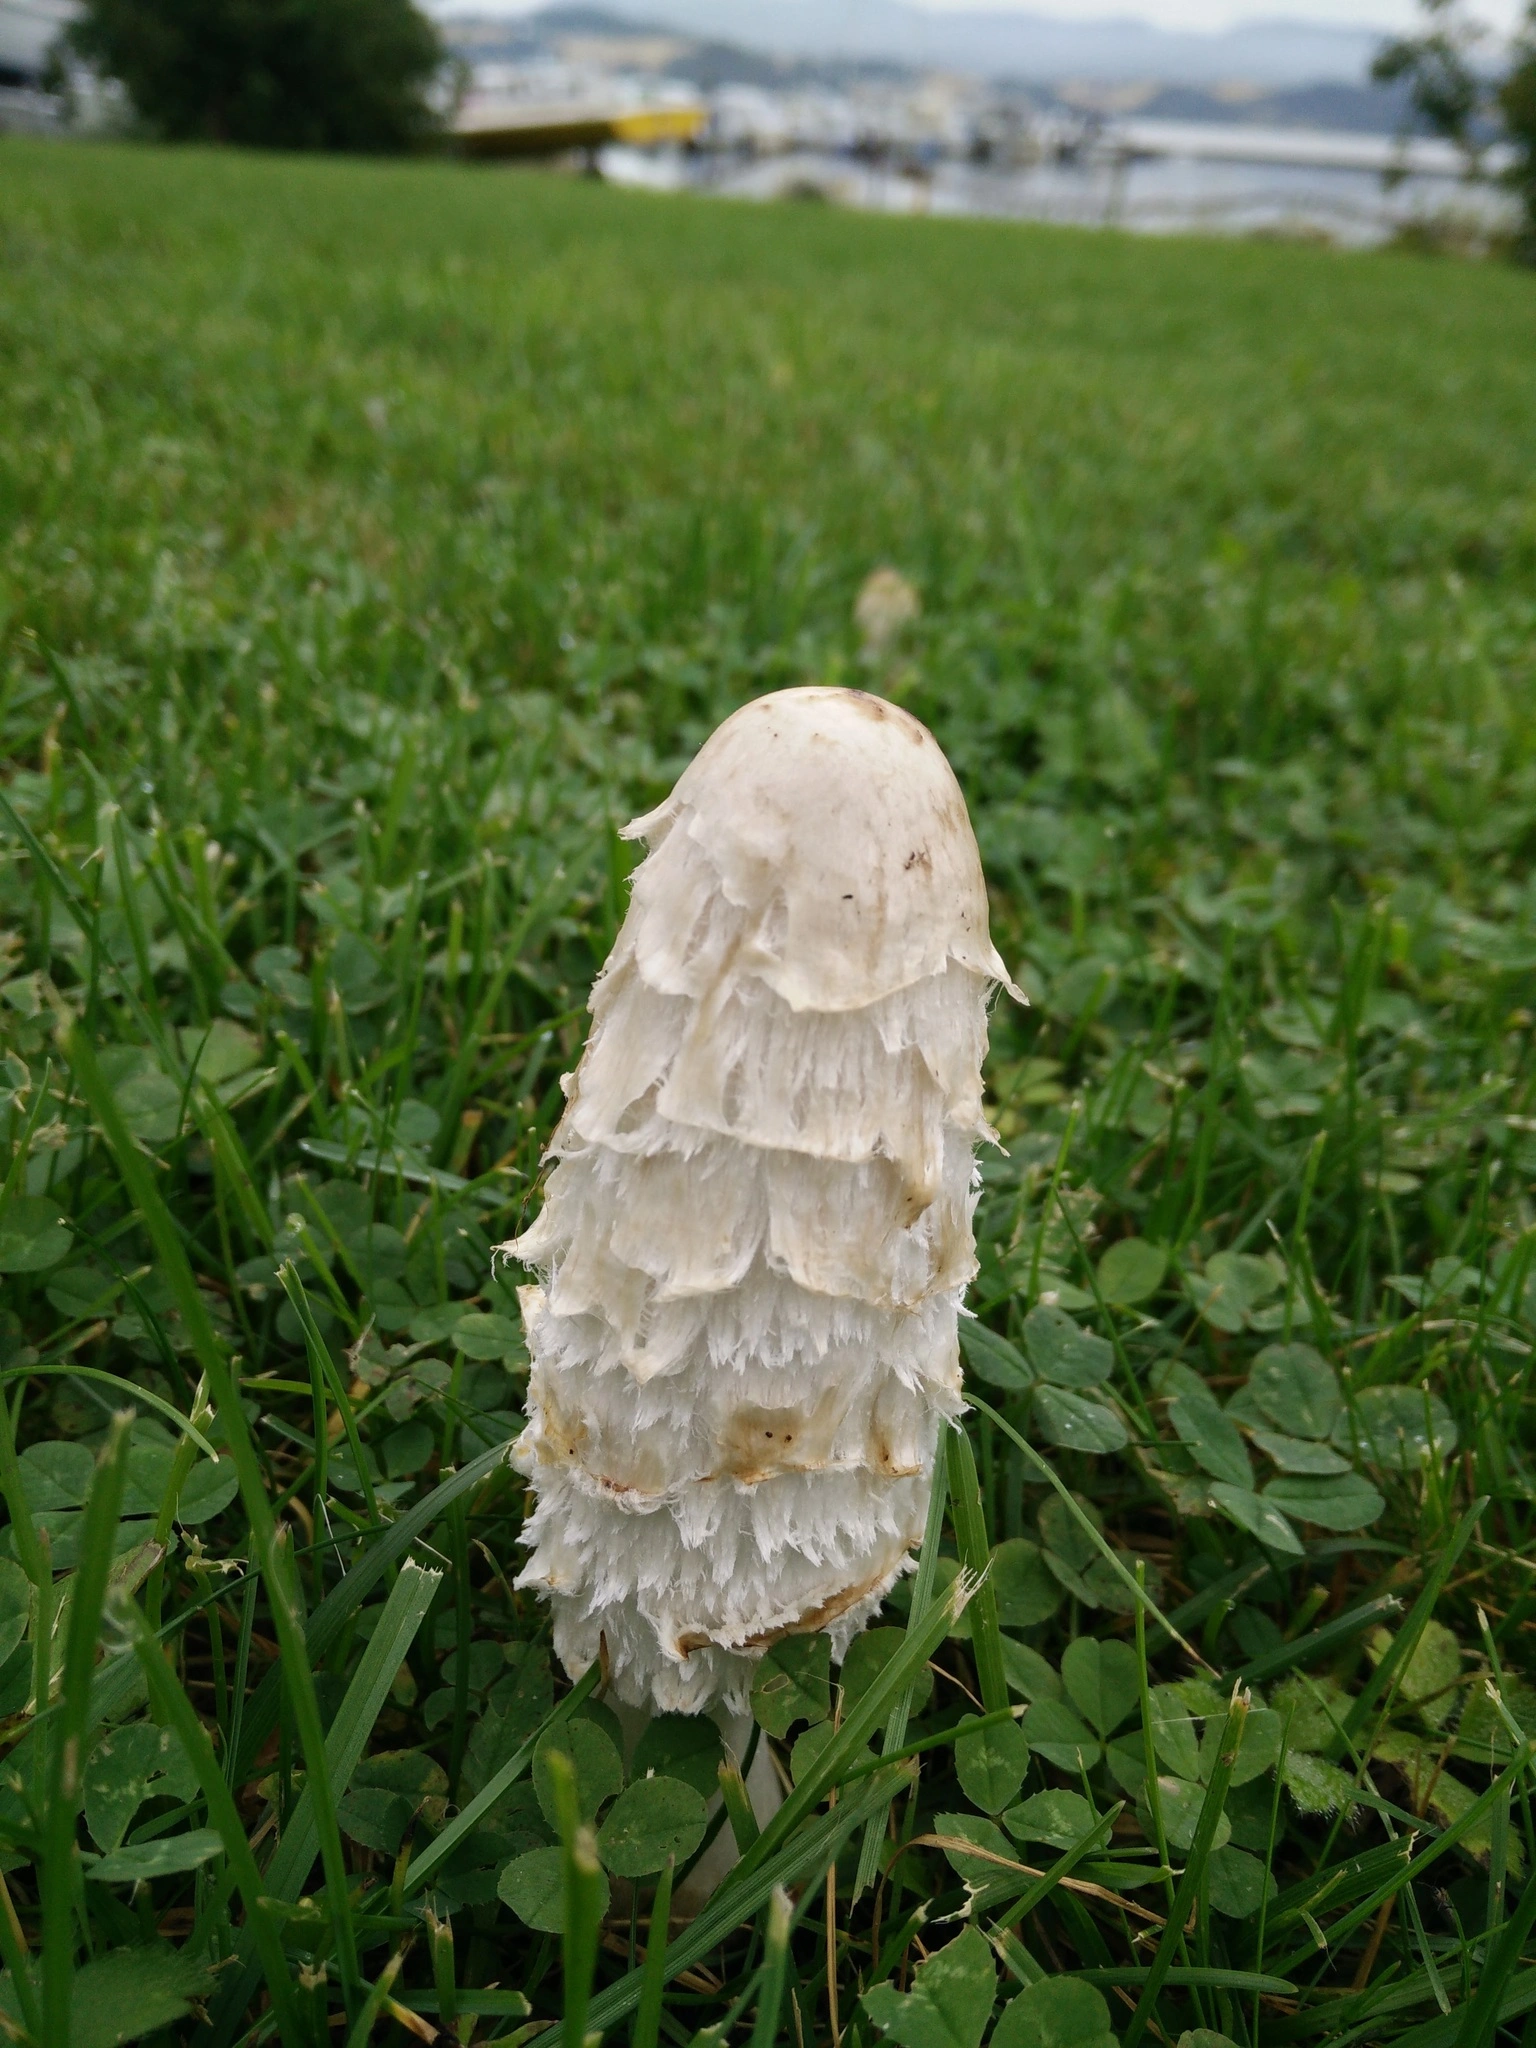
757 1231
885 606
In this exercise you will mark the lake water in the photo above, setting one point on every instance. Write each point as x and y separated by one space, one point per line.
1170 193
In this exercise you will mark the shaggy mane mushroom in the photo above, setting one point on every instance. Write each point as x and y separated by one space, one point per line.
757 1230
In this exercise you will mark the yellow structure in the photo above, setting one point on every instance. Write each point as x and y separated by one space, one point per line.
504 128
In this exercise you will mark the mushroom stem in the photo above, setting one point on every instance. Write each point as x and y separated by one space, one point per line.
764 1790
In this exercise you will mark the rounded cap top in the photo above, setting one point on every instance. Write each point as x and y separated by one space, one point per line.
834 820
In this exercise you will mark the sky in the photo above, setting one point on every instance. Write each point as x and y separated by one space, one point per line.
1220 14
1197 15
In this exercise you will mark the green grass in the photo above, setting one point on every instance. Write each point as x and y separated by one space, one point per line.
373 540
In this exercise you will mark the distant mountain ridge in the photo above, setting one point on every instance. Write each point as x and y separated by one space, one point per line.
1033 47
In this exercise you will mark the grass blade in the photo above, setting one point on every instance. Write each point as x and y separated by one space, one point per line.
1519 1996
67 1732
800 1862
1048 1472
738 1804
976 1555
378 2000
30 1551
297 1675
1194 1869
323 1628
469 1817
1406 1639
1197 1977
444 1972
140 1396
388 1646
1482 2018
323 1366
653 1984
1342 1629
1022 1900
922 1639
177 1711
583 1882
397 1627
770 1985
896 1726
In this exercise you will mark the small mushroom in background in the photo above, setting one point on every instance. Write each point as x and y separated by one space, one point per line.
885 606
757 1230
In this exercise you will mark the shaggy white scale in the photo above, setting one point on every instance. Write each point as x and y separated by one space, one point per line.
757 1230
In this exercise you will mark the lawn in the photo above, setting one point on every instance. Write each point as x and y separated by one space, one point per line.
374 541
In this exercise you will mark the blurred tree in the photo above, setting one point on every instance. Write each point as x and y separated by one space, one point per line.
1469 101
277 74
1517 104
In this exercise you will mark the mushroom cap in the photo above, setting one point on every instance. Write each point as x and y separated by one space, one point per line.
832 819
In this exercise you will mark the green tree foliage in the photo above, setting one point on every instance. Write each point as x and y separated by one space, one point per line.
1517 104
1463 98
276 74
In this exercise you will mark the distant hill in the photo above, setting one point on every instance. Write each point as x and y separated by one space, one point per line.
1358 109
1105 74
597 35
1277 53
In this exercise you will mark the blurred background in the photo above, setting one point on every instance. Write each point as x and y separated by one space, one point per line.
1341 124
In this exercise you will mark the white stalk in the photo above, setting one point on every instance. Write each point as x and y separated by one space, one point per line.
757 1230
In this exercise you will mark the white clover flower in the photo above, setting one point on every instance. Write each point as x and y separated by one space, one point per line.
757 1231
